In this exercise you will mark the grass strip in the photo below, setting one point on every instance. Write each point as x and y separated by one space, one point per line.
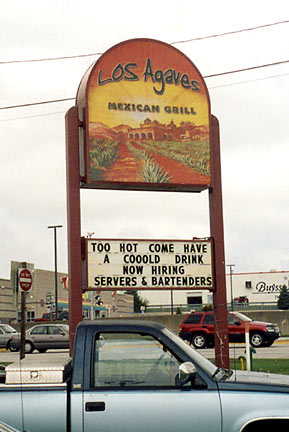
278 366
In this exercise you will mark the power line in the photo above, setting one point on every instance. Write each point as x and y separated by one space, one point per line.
36 103
231 32
247 69
31 116
248 81
205 76
49 59
172 43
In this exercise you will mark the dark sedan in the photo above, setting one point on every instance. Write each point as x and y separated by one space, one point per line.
42 337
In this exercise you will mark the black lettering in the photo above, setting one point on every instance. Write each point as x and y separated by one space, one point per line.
148 71
112 106
106 259
185 82
159 78
117 73
131 75
146 108
195 86
176 77
102 82
169 76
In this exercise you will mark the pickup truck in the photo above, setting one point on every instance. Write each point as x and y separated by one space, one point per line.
135 375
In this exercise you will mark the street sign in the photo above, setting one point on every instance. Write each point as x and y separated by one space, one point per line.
24 279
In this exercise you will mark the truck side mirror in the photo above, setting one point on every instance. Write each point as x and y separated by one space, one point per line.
186 371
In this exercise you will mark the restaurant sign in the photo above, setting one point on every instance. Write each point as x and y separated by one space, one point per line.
146 120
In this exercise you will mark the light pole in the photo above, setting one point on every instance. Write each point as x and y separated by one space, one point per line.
55 266
231 283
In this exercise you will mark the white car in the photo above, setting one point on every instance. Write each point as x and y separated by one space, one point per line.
6 331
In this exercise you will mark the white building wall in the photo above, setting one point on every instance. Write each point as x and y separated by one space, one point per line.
258 287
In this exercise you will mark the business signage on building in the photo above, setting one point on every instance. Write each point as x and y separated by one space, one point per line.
149 264
146 114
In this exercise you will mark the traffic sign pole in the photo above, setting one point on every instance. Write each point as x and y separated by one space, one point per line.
23 285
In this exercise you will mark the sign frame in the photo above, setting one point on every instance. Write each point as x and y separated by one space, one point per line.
131 246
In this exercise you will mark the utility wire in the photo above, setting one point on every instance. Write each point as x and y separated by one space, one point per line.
231 32
206 76
172 43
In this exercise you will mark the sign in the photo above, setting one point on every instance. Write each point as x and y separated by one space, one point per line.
147 120
24 279
149 264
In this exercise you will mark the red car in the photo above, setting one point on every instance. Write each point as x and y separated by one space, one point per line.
198 328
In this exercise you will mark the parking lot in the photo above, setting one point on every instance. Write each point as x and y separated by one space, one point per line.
279 349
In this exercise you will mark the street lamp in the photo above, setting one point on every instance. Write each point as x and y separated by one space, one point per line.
231 283
55 266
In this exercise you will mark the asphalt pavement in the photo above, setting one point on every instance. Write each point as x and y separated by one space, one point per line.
280 349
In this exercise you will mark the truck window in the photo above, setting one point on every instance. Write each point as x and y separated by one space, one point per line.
132 360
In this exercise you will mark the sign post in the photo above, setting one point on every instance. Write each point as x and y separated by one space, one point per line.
25 284
145 102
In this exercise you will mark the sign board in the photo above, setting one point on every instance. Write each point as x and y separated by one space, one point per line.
146 112
149 264
24 279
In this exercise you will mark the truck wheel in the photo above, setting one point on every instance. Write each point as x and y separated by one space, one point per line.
199 341
29 348
257 340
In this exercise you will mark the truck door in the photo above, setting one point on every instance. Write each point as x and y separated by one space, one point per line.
134 386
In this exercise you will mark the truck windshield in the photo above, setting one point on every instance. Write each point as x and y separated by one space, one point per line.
204 364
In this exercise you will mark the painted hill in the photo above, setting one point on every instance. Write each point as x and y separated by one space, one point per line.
100 130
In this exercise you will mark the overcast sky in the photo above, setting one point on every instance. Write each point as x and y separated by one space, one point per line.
252 108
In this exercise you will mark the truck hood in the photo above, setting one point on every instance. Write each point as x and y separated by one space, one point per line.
262 323
259 379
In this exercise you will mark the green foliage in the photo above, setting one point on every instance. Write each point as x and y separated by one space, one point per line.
138 301
151 171
102 154
283 300
207 308
195 155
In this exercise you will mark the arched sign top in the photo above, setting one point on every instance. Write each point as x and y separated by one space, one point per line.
147 119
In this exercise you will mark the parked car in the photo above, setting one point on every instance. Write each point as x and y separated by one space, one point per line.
45 317
6 331
198 328
51 316
42 337
243 300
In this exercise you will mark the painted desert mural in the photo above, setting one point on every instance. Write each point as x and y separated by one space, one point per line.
154 152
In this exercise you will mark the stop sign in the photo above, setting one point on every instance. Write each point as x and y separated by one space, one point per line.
25 279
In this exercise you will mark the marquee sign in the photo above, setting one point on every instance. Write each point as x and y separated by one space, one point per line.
146 113
149 264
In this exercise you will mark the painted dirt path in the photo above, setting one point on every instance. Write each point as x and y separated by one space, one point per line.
179 173
126 168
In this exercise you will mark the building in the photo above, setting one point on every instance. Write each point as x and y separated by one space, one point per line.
259 288
40 299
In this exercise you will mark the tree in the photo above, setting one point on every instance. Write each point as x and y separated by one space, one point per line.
283 300
138 301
